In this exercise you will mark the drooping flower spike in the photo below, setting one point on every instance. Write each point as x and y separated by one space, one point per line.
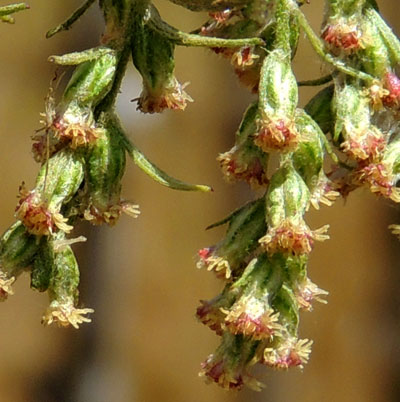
346 137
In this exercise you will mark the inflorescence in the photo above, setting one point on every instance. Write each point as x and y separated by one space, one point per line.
351 125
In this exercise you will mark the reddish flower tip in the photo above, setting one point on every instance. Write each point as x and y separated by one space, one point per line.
342 36
278 135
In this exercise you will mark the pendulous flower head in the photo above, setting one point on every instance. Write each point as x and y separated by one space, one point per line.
288 352
5 286
292 236
306 292
228 367
245 161
276 134
340 35
246 226
37 216
65 314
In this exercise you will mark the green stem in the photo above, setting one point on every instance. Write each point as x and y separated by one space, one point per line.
186 39
313 83
282 31
121 45
5 11
12 8
71 20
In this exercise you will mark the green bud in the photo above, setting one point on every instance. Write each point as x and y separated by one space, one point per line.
245 161
278 97
153 56
17 251
229 365
308 161
278 86
105 166
252 313
63 291
375 55
90 82
229 256
287 199
391 158
361 140
58 181
287 196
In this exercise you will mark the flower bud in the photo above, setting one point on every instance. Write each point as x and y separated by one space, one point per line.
375 55
241 239
72 120
362 140
153 56
245 161
341 34
382 176
342 31
105 166
252 313
58 181
308 161
287 200
306 292
211 312
287 353
277 104
63 292
391 85
90 82
17 250
228 366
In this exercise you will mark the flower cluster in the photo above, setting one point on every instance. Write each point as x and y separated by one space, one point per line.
82 151
263 257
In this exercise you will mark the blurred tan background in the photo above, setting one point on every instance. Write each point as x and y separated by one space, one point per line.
144 344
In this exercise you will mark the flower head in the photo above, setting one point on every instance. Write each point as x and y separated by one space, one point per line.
231 254
324 192
292 237
110 215
5 286
306 292
392 85
65 314
380 180
289 352
171 96
211 312
228 367
362 145
342 36
37 216
253 317
277 134
236 164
